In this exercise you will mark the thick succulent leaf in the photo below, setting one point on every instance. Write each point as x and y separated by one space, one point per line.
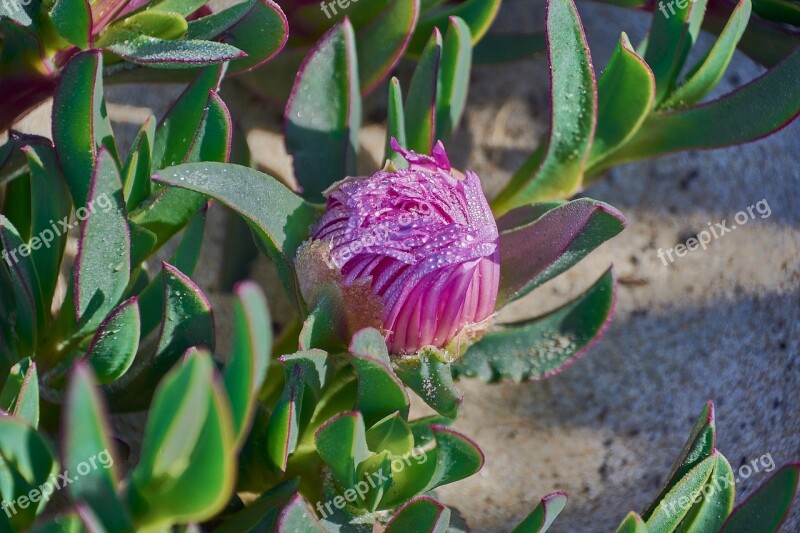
102 266
188 466
341 442
698 447
478 14
420 108
669 41
87 442
136 170
215 24
315 366
633 523
422 515
706 74
761 107
626 93
114 345
457 457
13 162
261 33
161 53
17 205
670 511
767 508
555 169
709 514
250 355
543 346
283 431
383 40
497 48
27 465
380 392
323 114
429 374
395 125
560 238
297 515
280 218
80 121
392 434
20 394
543 516
22 277
456 63
72 19
50 206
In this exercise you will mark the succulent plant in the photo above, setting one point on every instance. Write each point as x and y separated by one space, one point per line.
136 37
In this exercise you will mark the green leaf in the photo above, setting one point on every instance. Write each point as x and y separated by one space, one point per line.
184 7
323 114
72 19
298 516
429 374
555 169
262 513
561 237
669 41
261 33
395 124
633 523
27 464
698 447
380 392
383 40
151 22
421 515
20 394
22 278
50 204
453 77
457 457
114 345
341 442
420 108
87 447
478 14
324 328
496 48
391 434
188 465
187 322
543 346
626 93
250 355
136 171
543 516
102 266
284 423
160 53
80 122
767 508
210 26
280 218
678 500
710 513
706 74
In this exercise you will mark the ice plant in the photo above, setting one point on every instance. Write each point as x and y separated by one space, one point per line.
413 251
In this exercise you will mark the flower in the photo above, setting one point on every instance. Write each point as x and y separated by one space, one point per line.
413 252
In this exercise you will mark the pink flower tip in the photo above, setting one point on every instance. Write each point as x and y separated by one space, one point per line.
413 252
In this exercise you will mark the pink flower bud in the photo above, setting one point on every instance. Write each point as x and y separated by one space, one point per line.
413 252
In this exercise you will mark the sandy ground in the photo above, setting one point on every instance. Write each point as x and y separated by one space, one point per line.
719 324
